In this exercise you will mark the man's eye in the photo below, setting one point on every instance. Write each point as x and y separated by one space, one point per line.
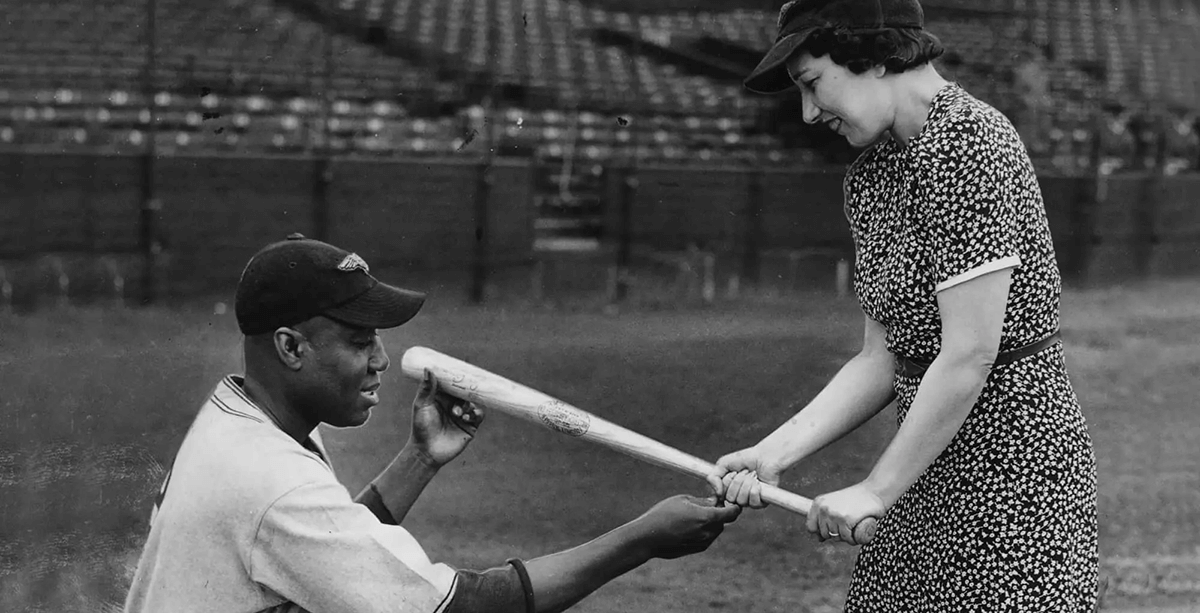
809 84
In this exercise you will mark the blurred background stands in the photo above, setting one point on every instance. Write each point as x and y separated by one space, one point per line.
596 80
588 90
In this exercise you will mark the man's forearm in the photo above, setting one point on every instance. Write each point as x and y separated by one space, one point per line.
562 579
858 392
398 486
946 396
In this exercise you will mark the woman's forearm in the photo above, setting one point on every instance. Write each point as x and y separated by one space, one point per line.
945 398
858 392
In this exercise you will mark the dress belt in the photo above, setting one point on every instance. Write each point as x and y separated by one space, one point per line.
915 368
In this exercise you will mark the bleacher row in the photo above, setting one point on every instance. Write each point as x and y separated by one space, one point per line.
547 46
242 74
118 121
1107 33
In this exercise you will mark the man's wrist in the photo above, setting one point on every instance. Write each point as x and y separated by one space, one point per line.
637 540
415 458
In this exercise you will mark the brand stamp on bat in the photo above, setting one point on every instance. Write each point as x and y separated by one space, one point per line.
563 418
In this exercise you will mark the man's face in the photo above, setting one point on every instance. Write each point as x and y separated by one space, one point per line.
339 379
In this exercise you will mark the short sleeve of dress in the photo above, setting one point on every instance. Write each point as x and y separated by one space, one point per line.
971 205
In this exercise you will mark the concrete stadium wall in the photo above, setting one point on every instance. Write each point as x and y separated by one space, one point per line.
1119 242
803 210
1067 200
1141 226
216 211
797 209
1120 228
419 215
713 207
675 206
1175 230
64 202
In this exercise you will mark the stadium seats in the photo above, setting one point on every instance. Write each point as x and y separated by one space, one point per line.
246 75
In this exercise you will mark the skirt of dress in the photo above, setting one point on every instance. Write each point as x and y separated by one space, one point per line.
1005 518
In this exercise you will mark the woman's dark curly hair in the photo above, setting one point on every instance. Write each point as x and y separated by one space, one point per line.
896 49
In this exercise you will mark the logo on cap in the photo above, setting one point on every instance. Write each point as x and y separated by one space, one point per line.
353 262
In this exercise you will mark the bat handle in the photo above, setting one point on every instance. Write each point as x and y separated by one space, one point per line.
864 532
780 497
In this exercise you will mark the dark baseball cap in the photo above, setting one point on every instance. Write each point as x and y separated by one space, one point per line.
798 19
299 278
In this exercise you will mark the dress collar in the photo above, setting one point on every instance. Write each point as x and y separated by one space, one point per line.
942 101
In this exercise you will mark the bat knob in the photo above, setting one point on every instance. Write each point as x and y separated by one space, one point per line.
864 532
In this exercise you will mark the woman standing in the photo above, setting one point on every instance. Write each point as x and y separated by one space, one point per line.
986 496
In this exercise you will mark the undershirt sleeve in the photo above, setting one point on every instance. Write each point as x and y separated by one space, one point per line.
505 589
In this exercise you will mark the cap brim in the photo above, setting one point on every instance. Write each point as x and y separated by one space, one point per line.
381 307
770 76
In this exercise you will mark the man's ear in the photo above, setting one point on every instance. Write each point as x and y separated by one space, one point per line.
290 347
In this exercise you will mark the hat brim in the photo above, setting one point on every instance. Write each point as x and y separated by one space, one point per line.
771 76
381 307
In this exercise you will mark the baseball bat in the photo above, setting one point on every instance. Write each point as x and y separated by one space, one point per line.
494 392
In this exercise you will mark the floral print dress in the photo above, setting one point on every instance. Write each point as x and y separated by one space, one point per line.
1005 518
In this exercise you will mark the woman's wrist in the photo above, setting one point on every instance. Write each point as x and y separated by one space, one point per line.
882 489
886 482
773 455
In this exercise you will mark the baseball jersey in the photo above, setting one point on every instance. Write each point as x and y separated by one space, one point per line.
248 520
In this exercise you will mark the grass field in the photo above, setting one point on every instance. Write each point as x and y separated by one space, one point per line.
95 402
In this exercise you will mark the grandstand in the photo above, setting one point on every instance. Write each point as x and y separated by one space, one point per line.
582 90
408 77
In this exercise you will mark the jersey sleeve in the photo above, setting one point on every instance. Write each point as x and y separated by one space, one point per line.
970 206
316 547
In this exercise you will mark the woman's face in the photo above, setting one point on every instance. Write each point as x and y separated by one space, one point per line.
856 106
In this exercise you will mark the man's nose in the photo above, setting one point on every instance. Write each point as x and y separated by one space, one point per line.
379 359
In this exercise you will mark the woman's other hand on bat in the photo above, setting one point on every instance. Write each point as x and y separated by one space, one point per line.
837 514
683 525
442 425
739 476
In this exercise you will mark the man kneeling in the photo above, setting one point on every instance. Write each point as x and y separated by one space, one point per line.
252 518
